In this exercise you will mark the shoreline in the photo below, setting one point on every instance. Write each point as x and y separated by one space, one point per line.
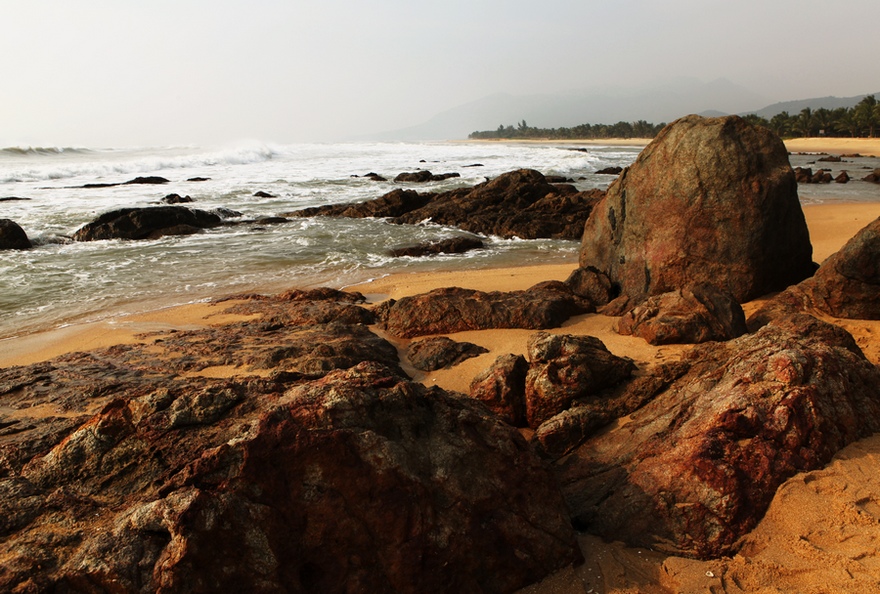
867 147
830 225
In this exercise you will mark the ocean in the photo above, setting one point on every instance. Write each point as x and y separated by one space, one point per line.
61 282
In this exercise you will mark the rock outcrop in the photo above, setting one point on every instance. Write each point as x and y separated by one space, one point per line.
424 176
709 200
125 470
448 310
147 223
695 469
686 316
516 204
12 236
846 285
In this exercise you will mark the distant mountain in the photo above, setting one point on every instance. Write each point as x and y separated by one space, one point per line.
795 107
655 103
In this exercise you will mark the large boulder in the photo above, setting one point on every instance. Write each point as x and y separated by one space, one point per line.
709 200
12 236
695 469
147 223
847 284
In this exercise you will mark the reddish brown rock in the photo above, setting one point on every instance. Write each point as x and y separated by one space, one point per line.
709 200
561 433
695 469
686 316
846 285
449 310
873 177
563 368
502 387
134 476
591 284
436 353
842 178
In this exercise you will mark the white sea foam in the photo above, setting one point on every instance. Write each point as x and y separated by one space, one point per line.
59 280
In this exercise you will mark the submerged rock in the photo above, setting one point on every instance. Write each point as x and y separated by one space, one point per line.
516 204
147 223
453 245
709 200
12 236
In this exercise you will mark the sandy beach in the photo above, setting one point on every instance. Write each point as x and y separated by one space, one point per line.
821 526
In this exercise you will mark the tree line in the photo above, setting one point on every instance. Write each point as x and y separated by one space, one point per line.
639 129
862 120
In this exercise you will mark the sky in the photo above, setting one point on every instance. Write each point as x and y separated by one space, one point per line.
160 72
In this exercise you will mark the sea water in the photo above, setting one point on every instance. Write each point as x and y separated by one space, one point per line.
60 281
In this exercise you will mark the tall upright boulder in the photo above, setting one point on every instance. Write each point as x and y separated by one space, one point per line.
709 200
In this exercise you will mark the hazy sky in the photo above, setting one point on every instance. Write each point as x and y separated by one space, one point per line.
125 72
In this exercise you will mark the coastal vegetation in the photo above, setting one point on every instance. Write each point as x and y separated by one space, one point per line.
859 121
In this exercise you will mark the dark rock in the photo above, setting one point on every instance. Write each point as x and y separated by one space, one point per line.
392 204
271 220
453 245
176 199
846 285
610 171
226 213
829 159
262 194
13 199
558 179
501 387
149 180
424 176
146 223
823 176
474 165
449 310
431 354
375 177
563 368
695 469
198 179
686 316
516 204
727 199
842 178
803 175
873 177
12 236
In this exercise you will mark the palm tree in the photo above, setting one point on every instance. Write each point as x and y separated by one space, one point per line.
781 123
848 122
865 114
804 122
